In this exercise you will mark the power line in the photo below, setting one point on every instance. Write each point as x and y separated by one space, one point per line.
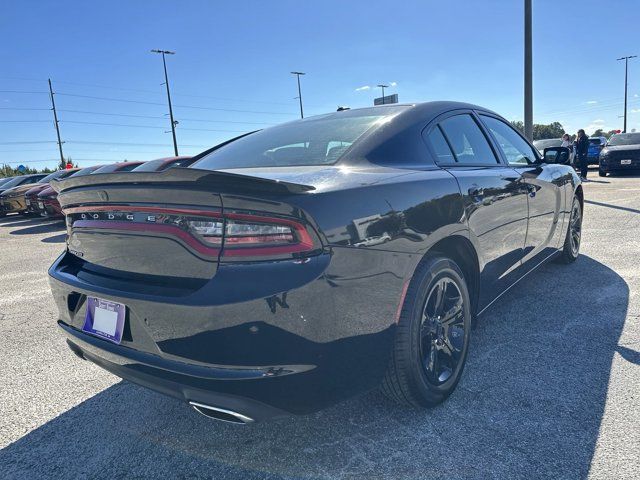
20 108
25 121
22 91
85 142
145 126
28 143
142 102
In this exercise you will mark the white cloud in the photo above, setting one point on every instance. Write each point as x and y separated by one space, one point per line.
592 102
634 110
598 121
393 84
364 87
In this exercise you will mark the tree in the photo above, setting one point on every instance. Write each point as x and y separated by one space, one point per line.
541 131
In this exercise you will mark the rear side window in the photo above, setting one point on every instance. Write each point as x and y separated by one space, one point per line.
440 146
469 145
516 150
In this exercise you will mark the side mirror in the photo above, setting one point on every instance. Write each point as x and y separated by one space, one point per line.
559 155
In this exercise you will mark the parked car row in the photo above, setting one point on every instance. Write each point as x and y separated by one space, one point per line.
33 195
619 153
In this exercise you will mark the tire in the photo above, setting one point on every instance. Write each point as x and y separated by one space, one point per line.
419 341
571 247
602 173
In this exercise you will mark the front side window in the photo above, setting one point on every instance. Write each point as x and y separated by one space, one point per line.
318 140
515 149
469 145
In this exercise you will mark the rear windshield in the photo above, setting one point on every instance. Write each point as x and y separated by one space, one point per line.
161 164
13 182
118 167
314 141
594 141
86 171
57 175
625 139
552 142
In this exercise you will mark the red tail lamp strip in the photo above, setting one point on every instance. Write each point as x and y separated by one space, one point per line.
150 227
304 241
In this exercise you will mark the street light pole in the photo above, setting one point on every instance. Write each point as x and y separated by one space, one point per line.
166 82
528 71
383 87
626 68
55 120
297 74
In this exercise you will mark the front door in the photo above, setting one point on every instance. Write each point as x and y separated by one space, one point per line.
544 186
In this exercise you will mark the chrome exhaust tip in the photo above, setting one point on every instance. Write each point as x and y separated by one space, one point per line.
221 414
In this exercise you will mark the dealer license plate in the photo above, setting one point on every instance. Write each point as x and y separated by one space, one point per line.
104 319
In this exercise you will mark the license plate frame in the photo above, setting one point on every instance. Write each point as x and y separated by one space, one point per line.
105 319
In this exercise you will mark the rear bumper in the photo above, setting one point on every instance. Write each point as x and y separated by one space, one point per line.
272 349
185 382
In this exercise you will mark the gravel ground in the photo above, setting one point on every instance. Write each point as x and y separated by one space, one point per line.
551 388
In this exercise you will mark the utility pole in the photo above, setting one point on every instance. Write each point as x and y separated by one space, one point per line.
297 74
166 82
55 121
626 68
528 72
383 87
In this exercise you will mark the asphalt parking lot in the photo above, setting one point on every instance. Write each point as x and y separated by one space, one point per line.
551 388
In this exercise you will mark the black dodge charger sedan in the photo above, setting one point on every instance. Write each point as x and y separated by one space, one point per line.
621 154
293 267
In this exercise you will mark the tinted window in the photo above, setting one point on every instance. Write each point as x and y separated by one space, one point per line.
542 144
625 139
515 148
467 141
314 141
85 171
440 146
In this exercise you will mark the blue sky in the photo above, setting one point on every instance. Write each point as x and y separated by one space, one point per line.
231 70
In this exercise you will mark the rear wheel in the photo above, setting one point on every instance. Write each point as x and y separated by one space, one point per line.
571 248
602 173
432 337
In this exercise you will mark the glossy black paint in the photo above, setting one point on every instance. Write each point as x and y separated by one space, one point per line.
297 334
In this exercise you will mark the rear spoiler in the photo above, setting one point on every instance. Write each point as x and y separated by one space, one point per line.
221 181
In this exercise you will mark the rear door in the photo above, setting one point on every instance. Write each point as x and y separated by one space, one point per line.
494 198
544 187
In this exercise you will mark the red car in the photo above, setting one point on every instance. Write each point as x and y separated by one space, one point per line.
47 200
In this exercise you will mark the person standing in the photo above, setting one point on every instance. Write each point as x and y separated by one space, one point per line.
582 149
566 142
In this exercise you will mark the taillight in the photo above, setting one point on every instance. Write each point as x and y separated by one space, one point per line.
230 236
253 235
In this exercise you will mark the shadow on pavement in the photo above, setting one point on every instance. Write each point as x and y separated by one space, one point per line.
42 228
609 205
55 238
530 403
